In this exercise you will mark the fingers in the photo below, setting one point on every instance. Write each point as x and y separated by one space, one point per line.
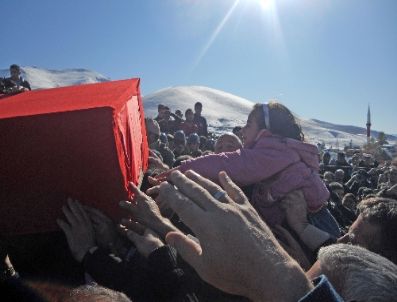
189 250
201 197
75 213
154 181
232 189
64 226
153 190
95 214
133 226
137 193
211 187
187 210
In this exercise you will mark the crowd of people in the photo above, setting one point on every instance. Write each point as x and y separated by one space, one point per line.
254 215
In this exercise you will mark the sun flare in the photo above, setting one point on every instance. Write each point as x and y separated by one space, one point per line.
266 4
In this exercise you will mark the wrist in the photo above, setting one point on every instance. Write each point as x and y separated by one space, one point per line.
289 284
163 227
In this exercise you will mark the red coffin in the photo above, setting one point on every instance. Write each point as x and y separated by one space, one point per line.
84 141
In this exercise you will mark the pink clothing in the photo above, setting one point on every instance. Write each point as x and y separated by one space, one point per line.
275 166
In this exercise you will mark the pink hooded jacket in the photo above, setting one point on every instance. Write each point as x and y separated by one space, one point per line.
275 166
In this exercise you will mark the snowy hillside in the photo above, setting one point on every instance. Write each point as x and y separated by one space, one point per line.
222 110
45 78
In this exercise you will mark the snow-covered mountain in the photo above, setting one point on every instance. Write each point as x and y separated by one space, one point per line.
45 78
222 110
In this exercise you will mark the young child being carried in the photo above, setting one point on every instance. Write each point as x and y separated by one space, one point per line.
274 161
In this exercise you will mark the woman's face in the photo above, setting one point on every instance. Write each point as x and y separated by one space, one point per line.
250 131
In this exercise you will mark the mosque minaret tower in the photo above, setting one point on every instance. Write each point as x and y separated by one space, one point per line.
368 125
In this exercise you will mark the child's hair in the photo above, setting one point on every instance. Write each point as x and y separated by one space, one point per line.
282 121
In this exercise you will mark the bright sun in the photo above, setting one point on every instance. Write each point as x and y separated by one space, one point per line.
266 4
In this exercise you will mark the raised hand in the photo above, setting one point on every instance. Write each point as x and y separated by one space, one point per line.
145 211
145 240
237 251
78 229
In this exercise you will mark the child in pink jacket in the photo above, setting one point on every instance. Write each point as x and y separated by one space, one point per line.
274 160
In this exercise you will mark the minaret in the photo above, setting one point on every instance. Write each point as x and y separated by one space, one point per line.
368 125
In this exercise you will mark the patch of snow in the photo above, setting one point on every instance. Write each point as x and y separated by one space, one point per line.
40 78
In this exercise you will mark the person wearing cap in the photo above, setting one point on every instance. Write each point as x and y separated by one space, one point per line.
15 83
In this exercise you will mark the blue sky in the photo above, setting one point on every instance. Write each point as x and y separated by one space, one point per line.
324 59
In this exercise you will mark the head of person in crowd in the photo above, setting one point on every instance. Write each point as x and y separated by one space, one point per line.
166 114
193 142
227 142
356 273
153 131
339 176
189 115
198 108
367 158
273 117
160 112
179 113
350 201
15 72
179 143
375 227
164 138
326 158
337 188
355 159
237 131
328 177
210 145
364 192
179 138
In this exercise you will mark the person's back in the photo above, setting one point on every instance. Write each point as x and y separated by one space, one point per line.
296 167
